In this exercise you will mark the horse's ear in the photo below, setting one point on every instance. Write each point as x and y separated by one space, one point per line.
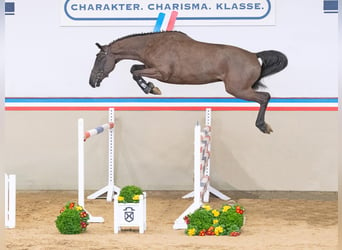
99 46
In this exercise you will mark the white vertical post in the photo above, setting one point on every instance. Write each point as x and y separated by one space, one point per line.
207 168
10 200
208 116
110 192
80 162
6 200
197 164
80 137
208 123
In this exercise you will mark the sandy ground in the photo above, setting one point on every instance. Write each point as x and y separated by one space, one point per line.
280 222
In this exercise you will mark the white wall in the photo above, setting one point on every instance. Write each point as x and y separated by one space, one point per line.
45 59
154 149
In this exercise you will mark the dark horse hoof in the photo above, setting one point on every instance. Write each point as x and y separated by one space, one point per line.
156 91
153 90
265 128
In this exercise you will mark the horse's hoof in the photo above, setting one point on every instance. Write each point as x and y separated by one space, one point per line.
152 89
156 91
265 128
268 129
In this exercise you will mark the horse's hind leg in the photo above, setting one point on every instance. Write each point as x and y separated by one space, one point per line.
146 87
260 121
260 97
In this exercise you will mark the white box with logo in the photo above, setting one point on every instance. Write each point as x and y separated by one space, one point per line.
130 214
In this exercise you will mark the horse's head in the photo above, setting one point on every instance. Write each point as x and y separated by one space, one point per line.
104 64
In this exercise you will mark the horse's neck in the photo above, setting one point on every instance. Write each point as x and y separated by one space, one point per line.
129 48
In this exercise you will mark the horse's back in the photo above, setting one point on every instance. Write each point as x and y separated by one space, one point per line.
187 46
186 60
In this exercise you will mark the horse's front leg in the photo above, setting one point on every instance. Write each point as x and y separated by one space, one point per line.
146 87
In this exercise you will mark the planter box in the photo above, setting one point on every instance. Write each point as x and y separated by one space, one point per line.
130 214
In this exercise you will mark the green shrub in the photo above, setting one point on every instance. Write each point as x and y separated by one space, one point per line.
200 219
206 221
73 219
231 217
130 194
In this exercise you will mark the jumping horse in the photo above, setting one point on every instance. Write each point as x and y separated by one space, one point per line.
173 57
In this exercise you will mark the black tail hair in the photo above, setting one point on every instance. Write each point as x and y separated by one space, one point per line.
272 62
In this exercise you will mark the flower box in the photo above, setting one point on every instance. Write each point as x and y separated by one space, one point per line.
130 214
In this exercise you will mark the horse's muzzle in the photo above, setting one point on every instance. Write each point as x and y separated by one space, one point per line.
92 83
95 80
95 84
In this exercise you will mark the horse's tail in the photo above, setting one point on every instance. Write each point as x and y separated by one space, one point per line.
272 62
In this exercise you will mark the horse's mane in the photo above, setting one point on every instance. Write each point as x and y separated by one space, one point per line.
143 34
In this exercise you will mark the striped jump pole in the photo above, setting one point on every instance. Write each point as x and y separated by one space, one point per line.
98 130
83 136
202 187
10 200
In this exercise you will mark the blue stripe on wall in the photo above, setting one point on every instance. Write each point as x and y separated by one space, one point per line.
165 100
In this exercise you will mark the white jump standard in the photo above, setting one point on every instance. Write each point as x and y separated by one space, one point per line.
202 187
10 200
110 188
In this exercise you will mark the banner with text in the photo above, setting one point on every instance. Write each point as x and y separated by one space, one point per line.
145 13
